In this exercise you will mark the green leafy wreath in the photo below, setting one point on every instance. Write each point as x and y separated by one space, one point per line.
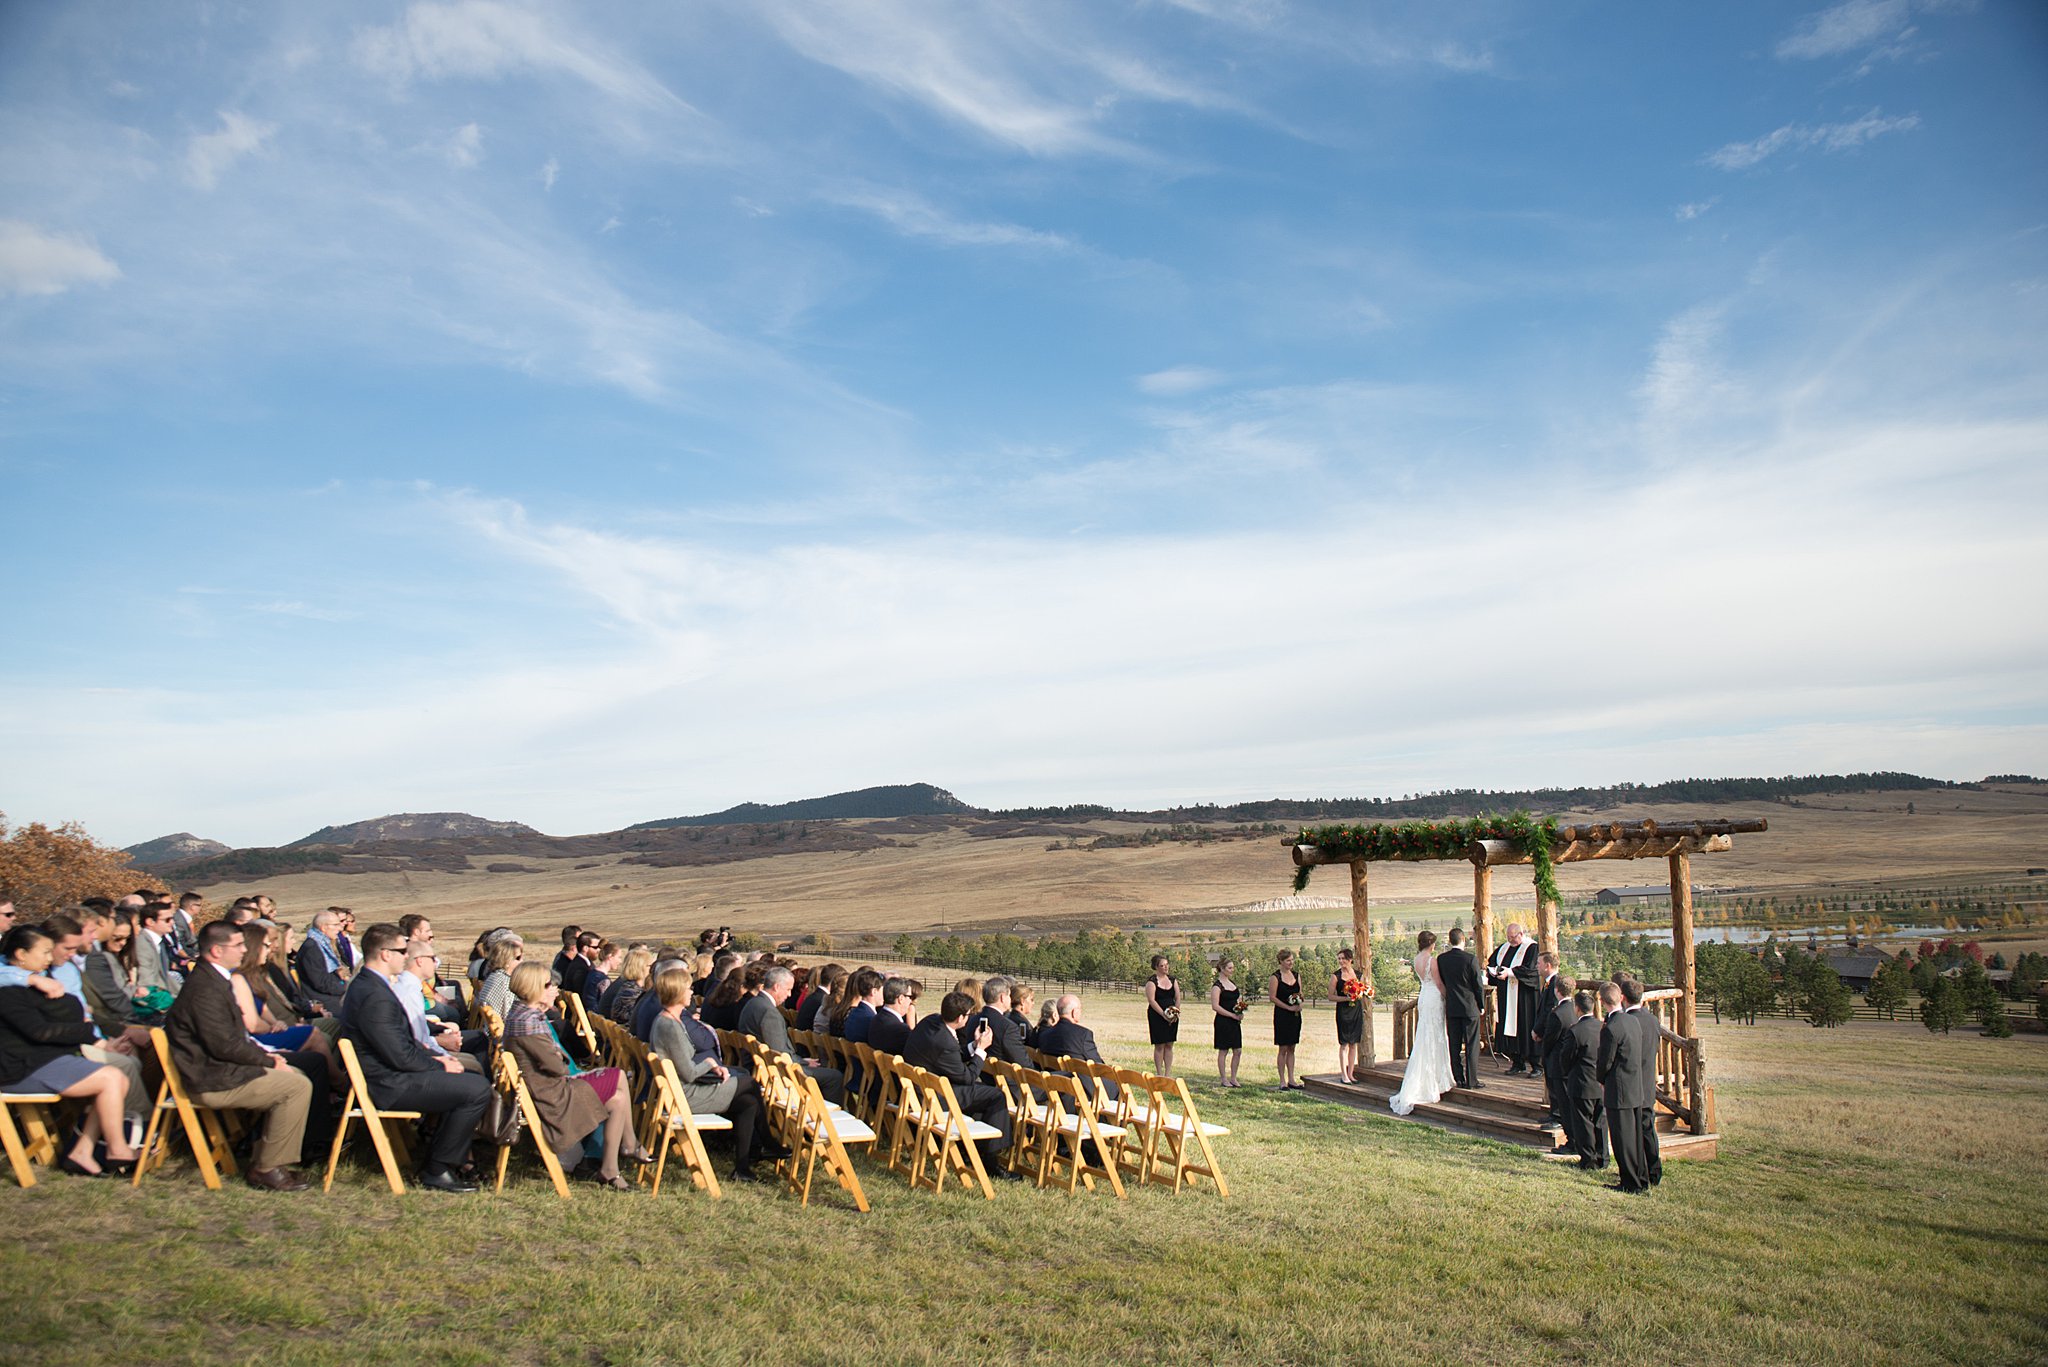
1446 839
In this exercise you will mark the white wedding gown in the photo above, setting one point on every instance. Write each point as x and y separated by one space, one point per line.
1429 1060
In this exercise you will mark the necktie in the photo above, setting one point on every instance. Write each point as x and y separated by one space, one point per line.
163 954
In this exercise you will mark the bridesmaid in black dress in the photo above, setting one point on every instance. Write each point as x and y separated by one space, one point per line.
1285 992
1226 999
1350 1016
1162 1014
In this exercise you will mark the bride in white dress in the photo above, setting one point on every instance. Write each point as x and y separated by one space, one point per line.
1429 1058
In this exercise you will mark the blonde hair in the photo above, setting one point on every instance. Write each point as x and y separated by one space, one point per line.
672 987
529 981
638 960
1022 997
504 956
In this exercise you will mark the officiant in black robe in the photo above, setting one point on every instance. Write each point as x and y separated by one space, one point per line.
1515 977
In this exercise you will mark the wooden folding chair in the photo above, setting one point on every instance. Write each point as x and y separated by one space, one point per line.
730 1047
946 1136
674 1128
860 1089
41 1144
513 1084
578 1022
820 1131
1027 1112
900 1108
362 1106
1167 1138
490 1022
1074 1129
205 1129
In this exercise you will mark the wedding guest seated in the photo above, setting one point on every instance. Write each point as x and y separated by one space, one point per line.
856 1019
435 1036
224 1068
589 980
322 975
619 999
709 1087
123 1049
403 1076
284 1029
110 977
481 950
1023 1002
819 997
156 961
934 1045
891 1025
721 1010
496 990
762 1018
724 962
42 1028
1006 1041
1048 1013
1066 1037
649 1005
571 1104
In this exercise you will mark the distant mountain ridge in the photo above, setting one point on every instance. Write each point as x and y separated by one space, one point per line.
888 800
173 849
412 826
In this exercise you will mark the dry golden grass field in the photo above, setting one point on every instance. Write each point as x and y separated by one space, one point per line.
952 879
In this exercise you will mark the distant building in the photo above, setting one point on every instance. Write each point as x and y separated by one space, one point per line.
1856 967
1617 896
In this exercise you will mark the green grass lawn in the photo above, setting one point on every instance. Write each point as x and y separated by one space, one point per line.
1880 1198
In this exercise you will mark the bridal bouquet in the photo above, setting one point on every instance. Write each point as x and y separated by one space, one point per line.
1172 1013
1357 989
1292 999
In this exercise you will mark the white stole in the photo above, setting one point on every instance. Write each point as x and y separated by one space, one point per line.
1510 957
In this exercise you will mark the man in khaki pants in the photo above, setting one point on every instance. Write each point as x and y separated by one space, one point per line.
222 1067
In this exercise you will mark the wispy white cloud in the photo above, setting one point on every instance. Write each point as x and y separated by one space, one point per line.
1828 137
1686 213
1685 380
1845 27
34 261
484 40
1043 81
550 169
914 216
465 146
1178 380
209 155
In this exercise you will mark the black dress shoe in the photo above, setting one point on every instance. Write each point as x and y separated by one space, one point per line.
276 1179
449 1181
746 1175
775 1152
1005 1175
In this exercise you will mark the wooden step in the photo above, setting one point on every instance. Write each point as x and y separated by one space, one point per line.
1507 1113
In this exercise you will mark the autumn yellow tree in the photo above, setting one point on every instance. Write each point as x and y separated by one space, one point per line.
44 868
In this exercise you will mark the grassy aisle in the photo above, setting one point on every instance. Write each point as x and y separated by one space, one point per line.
1880 1199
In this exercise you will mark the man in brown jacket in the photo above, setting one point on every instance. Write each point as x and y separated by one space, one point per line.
223 1068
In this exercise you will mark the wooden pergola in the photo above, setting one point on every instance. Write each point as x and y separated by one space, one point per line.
1674 841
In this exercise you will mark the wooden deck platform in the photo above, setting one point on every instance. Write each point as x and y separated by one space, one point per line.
1507 1108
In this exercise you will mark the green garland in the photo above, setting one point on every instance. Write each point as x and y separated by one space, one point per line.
1438 840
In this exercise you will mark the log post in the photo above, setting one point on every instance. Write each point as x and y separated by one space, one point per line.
1546 924
1681 945
1361 954
1482 910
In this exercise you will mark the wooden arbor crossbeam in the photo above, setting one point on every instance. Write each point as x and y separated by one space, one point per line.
1674 841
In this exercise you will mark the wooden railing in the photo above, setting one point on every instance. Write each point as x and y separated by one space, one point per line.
1682 1089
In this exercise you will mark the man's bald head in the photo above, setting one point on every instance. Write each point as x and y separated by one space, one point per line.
1069 1007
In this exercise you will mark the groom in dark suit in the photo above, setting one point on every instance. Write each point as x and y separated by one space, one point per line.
1464 1005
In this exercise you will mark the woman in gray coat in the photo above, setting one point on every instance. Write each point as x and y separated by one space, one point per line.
709 1087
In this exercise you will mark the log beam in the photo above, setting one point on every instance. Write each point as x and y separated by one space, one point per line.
1681 943
1361 951
1482 910
1579 851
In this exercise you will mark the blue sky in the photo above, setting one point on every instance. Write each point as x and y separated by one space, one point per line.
581 415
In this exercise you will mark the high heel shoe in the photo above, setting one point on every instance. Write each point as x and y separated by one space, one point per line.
643 1158
77 1169
612 1183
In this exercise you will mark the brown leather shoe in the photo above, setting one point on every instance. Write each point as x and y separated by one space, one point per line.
277 1179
